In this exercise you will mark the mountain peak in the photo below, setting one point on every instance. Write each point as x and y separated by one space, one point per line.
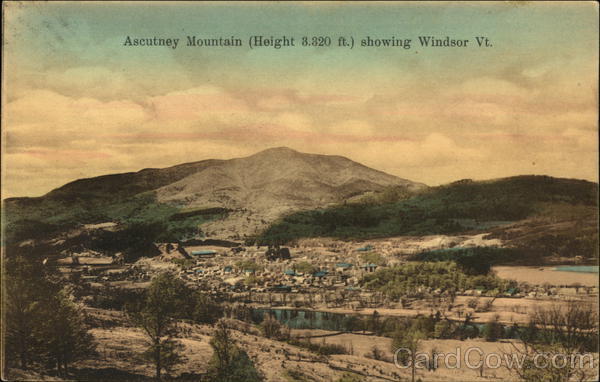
276 151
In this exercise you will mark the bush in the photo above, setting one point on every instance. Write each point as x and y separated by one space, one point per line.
321 349
443 329
472 303
304 267
270 327
402 280
472 260
493 330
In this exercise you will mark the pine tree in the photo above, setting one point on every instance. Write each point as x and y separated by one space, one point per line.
230 363
42 324
26 288
157 317
63 333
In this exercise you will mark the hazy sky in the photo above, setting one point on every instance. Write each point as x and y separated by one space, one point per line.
78 103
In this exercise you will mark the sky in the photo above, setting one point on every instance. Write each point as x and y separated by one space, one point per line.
79 103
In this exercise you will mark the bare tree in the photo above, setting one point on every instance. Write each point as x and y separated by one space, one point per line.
566 331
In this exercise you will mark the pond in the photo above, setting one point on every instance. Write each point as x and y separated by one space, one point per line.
305 319
577 268
309 319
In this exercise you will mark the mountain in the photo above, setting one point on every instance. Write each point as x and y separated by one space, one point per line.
545 217
260 188
240 196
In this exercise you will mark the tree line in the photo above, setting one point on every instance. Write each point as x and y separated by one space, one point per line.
44 327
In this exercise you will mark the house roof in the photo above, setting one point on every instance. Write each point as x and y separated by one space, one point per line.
204 252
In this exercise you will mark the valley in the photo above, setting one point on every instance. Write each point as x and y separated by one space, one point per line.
315 267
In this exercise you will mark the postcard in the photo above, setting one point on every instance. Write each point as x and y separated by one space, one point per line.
299 191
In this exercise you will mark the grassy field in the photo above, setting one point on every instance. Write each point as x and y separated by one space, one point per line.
541 275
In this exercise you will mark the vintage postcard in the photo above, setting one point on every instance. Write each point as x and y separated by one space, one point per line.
299 191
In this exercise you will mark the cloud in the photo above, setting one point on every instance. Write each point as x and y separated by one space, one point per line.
480 128
197 103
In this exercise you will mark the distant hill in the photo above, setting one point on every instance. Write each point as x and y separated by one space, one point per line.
235 197
546 215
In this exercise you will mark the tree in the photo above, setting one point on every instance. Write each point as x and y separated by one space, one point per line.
156 316
493 329
205 309
374 323
270 327
229 363
63 334
135 240
443 329
42 324
405 345
223 347
565 331
352 323
26 287
376 353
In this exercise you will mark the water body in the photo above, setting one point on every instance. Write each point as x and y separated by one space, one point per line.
308 319
577 268
305 319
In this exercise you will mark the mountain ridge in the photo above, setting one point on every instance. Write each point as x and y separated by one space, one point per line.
256 190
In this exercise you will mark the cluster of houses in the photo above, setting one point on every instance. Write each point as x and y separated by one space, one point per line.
260 269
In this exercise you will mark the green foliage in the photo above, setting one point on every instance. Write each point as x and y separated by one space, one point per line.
443 329
165 354
156 315
472 260
353 323
319 348
580 241
406 279
453 208
229 363
42 325
184 263
27 228
530 372
135 240
244 265
409 341
28 218
373 258
114 298
493 330
374 323
204 309
304 267
391 194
